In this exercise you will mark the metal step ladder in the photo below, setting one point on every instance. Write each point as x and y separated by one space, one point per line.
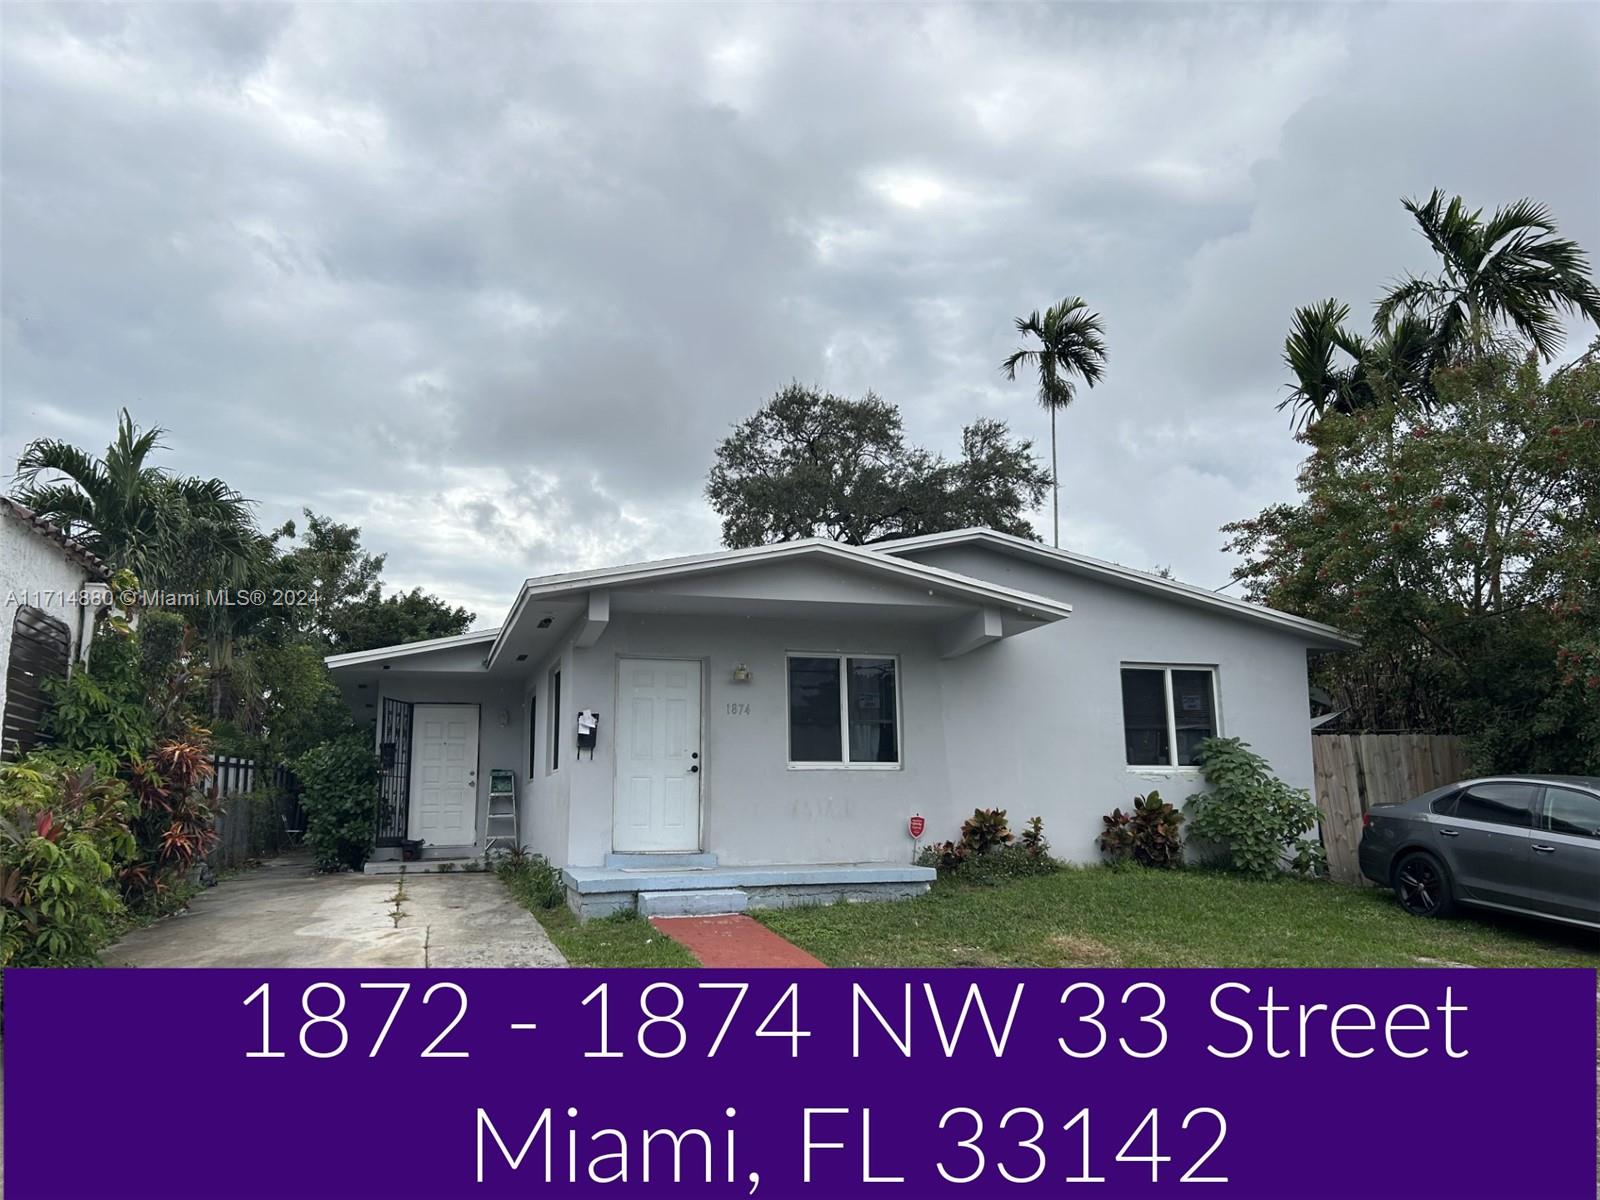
502 830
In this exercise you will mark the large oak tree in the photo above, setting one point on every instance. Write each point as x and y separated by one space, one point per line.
812 464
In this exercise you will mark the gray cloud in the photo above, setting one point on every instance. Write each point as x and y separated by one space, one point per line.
491 280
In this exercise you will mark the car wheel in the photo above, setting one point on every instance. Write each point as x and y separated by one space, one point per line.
1422 887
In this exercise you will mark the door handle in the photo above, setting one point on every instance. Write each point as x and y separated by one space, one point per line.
1537 849
1449 833
694 768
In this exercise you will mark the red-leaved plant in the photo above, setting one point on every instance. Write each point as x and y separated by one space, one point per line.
176 825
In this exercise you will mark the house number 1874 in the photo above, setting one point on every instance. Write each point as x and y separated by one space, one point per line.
738 708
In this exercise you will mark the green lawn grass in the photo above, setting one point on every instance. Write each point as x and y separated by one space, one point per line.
1100 917
620 941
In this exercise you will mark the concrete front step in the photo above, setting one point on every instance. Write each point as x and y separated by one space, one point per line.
661 862
603 891
422 866
705 902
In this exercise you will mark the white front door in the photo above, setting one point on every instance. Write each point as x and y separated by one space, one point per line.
658 756
444 774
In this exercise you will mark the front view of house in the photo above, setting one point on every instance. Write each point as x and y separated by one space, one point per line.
759 726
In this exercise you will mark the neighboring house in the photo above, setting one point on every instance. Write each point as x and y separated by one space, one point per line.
769 719
45 623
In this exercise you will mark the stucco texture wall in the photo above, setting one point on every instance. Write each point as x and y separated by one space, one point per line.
35 571
755 809
501 743
1033 724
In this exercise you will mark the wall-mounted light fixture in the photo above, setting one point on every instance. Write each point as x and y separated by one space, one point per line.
505 716
741 673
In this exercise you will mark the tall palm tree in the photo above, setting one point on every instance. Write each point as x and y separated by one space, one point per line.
1071 343
133 514
1510 270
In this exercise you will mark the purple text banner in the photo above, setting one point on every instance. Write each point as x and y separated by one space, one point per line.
1292 1083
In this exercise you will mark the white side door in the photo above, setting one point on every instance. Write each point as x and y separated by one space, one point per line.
657 804
444 774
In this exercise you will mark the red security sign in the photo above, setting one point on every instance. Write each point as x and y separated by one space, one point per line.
917 825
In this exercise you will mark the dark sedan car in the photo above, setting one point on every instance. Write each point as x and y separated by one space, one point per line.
1521 843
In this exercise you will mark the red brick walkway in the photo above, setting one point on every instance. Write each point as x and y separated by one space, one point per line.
733 941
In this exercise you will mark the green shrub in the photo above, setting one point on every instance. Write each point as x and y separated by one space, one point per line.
1006 862
63 830
1148 834
531 879
985 830
340 800
987 852
100 709
1256 820
1033 839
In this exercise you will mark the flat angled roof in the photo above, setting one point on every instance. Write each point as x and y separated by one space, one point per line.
1070 561
864 558
381 653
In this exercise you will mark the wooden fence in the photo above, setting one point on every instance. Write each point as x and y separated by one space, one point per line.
257 810
1356 772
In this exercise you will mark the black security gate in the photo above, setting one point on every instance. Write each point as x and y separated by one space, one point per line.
41 649
394 773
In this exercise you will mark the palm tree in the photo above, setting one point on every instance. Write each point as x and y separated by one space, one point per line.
132 514
1511 269
1071 342
1338 370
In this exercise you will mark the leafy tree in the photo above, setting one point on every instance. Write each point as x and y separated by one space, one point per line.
132 514
812 464
378 620
324 559
1463 547
301 708
1071 342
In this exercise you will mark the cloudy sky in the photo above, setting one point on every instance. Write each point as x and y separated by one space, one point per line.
491 280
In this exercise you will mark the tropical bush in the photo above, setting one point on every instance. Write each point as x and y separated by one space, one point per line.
1257 822
63 832
988 851
1033 839
1150 833
176 823
341 801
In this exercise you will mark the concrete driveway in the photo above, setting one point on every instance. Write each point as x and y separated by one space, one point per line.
284 914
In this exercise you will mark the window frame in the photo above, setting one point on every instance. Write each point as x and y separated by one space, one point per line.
845 764
1166 669
553 711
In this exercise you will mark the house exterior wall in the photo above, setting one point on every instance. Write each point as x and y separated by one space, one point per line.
499 744
755 809
32 567
1031 723
547 803
1034 722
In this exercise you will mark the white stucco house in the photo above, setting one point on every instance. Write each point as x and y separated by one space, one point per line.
758 726
49 596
